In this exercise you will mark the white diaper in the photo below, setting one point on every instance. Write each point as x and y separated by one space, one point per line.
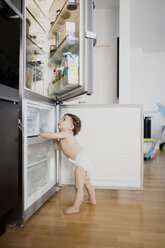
83 161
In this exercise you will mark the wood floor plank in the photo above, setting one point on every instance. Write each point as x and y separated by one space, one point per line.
121 218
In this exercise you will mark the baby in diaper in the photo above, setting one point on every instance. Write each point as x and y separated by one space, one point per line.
85 163
69 126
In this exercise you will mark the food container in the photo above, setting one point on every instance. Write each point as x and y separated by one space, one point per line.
52 49
29 75
28 23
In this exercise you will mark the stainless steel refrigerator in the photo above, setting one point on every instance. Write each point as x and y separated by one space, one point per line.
56 46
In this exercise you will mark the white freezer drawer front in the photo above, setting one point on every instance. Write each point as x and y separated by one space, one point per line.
112 136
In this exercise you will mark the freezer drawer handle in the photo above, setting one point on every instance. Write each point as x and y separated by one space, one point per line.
91 35
19 124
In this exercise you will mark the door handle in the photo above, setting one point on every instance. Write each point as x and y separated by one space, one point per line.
20 124
91 35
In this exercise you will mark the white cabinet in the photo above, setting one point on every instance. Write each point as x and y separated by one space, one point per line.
112 137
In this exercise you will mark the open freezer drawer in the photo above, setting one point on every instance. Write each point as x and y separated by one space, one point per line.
112 136
39 154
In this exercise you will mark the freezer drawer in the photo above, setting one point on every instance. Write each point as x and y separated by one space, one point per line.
32 121
38 150
39 119
39 153
37 176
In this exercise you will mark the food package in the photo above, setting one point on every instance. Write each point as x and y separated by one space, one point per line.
71 68
69 30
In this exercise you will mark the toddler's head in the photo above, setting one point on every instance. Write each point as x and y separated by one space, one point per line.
76 123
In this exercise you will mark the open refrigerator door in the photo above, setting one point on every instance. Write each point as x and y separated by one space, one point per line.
59 43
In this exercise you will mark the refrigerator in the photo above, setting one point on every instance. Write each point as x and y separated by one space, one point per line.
56 66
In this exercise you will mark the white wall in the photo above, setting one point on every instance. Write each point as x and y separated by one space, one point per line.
142 54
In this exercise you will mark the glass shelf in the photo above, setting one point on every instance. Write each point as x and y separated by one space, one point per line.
61 87
35 27
66 15
38 162
56 5
35 8
66 46
33 48
36 64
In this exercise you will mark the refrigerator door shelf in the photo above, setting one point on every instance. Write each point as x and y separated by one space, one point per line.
62 86
86 42
66 46
66 15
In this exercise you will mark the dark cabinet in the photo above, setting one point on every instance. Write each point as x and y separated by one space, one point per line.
8 158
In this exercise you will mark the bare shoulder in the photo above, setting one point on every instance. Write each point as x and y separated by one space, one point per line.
63 134
69 135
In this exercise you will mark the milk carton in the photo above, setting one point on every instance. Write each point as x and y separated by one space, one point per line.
70 30
71 69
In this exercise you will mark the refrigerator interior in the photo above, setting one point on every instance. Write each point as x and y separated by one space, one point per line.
39 154
52 46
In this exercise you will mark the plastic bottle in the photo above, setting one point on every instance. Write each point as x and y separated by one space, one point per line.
54 75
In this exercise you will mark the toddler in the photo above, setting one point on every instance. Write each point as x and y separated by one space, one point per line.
69 126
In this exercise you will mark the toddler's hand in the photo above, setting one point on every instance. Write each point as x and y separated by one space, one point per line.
47 135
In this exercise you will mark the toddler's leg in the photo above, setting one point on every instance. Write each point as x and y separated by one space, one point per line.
80 175
91 192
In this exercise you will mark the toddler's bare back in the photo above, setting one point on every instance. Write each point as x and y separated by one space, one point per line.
70 146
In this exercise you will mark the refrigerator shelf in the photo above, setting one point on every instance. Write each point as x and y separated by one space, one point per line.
67 45
36 163
33 48
68 13
36 139
35 27
36 64
35 9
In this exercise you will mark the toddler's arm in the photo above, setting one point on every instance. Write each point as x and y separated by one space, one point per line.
56 144
53 136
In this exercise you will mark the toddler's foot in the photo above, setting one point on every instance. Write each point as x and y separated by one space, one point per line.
92 202
71 210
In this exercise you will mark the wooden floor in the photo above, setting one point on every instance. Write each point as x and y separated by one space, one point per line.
122 219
